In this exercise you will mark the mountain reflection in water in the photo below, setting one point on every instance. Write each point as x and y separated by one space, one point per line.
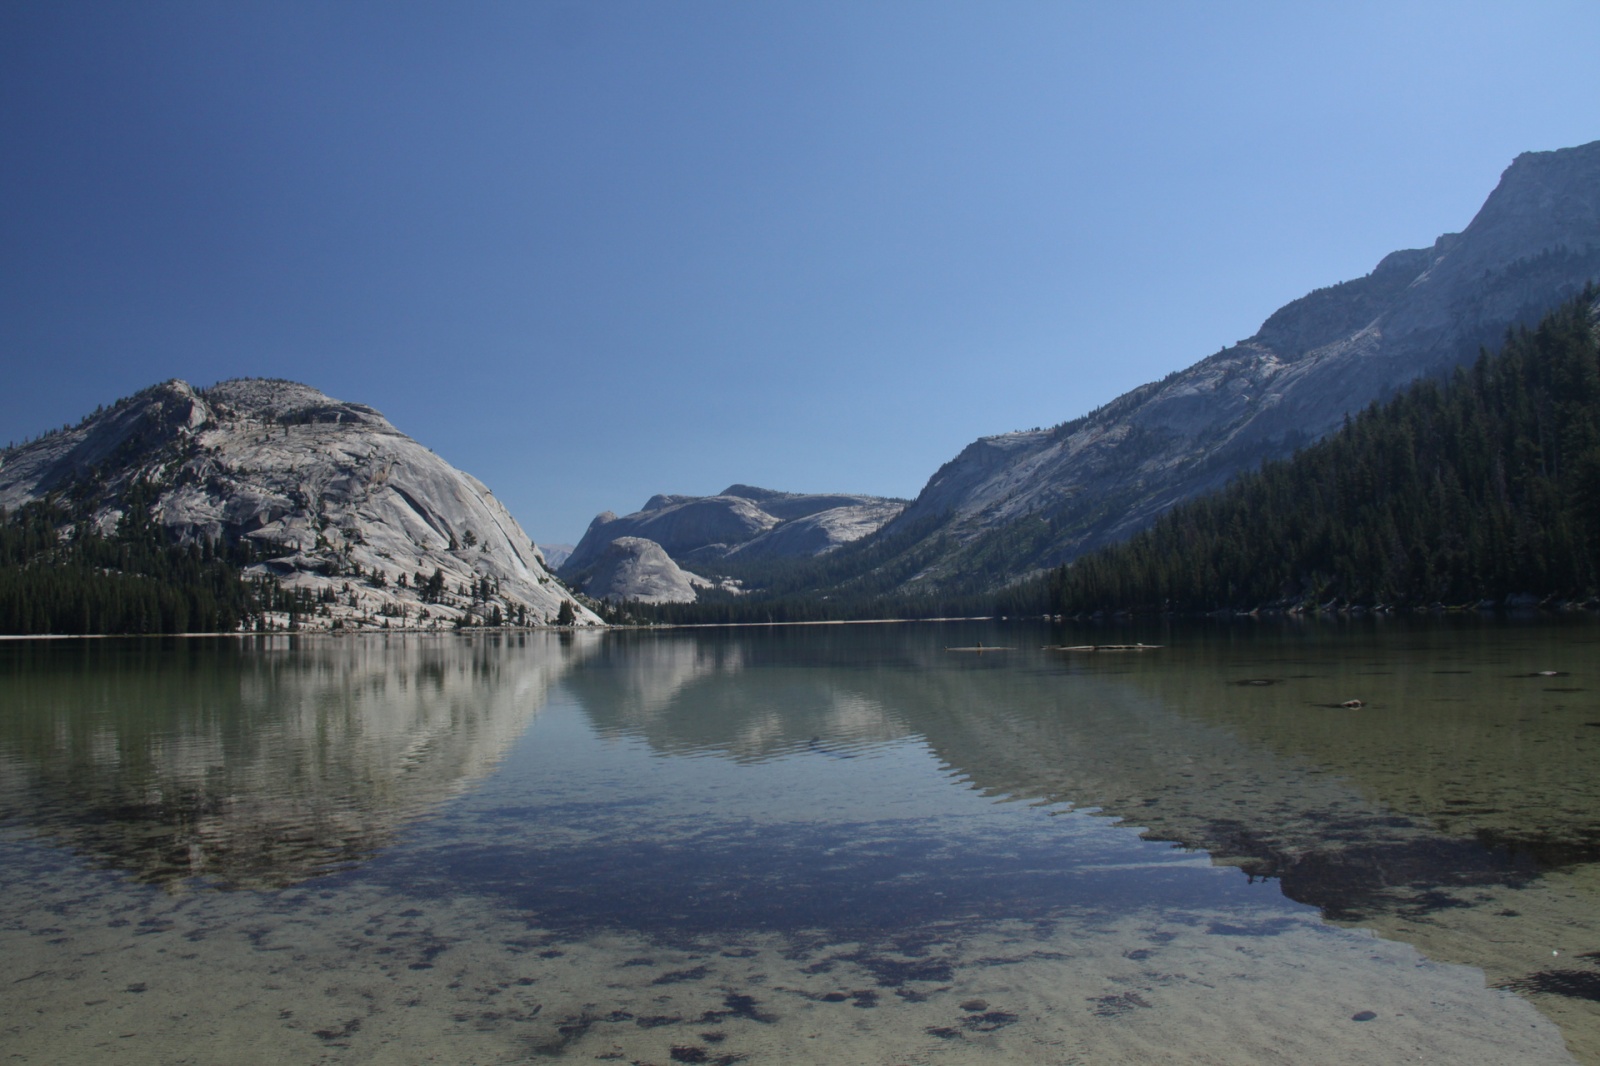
257 762
827 785
1457 808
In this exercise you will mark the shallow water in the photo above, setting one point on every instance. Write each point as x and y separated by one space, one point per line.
835 844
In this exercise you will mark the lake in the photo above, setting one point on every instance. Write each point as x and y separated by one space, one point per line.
833 844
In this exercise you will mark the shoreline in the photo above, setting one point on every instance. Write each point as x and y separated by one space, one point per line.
1344 615
343 634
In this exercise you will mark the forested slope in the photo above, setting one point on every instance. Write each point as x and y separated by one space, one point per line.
135 580
1485 486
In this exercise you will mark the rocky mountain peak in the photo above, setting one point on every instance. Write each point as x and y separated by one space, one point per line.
751 492
330 496
662 501
287 403
1547 198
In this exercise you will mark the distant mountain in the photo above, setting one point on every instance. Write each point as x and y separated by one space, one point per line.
741 522
330 498
554 554
1019 502
633 568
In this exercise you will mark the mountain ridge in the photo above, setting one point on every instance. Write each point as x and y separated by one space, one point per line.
742 522
1044 497
1483 489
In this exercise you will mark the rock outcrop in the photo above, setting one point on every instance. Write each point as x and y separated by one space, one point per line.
331 496
1016 502
633 568
741 521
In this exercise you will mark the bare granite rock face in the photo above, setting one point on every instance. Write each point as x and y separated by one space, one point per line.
819 533
329 493
633 568
1051 495
741 521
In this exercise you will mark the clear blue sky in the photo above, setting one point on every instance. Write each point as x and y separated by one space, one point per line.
594 251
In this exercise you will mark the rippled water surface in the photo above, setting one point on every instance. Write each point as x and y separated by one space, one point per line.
841 844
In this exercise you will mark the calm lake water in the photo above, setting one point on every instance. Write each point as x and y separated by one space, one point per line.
841 844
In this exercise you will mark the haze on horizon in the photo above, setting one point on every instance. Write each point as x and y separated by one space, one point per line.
589 253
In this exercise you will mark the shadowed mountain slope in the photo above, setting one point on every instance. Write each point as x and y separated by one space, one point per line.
1017 502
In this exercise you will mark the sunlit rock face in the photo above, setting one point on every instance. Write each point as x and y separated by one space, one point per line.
819 533
742 522
633 568
319 486
264 760
1053 494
